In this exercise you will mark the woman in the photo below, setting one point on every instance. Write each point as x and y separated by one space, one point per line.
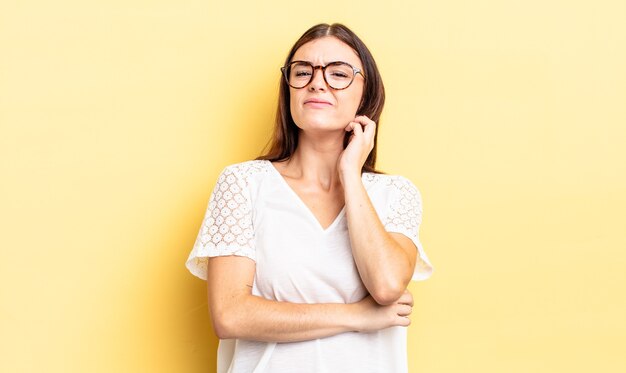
311 249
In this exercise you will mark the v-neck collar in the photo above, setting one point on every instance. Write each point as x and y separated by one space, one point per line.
304 205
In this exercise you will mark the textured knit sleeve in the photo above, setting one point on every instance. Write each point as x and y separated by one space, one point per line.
404 215
227 226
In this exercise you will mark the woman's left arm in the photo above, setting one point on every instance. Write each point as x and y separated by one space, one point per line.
385 260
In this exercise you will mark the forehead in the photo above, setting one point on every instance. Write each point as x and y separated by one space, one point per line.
327 49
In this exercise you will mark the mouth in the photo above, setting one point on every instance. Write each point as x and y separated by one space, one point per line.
317 102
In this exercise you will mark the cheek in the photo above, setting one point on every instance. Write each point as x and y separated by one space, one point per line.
293 108
351 103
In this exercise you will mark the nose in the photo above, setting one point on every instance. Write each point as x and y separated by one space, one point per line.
317 80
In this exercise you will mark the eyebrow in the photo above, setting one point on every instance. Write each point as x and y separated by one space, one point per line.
349 63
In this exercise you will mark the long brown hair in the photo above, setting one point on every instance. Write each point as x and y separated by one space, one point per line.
285 137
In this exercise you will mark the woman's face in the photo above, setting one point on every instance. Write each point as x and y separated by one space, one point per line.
337 107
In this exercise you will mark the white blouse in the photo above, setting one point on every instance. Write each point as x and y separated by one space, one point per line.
253 212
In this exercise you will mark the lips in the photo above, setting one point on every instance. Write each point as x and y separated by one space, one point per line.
317 101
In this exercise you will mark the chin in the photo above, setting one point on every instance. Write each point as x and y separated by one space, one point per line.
321 123
316 125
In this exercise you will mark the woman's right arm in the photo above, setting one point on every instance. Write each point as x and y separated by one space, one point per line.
236 313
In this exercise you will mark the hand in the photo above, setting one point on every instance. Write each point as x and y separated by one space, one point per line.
360 144
371 316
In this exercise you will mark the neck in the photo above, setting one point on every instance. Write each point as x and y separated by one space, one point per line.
315 158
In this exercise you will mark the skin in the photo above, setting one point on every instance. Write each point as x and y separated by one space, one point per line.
326 177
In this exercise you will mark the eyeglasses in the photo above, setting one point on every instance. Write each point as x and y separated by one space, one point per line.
338 75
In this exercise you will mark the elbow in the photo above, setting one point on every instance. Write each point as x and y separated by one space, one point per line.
388 289
388 295
224 325
229 317
221 331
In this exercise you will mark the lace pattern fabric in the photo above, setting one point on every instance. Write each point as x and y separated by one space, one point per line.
405 212
227 225
404 215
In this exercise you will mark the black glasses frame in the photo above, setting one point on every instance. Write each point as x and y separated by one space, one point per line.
285 70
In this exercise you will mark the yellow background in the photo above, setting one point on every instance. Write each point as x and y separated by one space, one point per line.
116 117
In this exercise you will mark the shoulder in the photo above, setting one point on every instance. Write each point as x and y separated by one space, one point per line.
245 171
390 184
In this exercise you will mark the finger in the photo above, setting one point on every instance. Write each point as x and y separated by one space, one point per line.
363 118
368 124
352 125
406 298
365 121
370 130
404 310
408 302
358 130
403 321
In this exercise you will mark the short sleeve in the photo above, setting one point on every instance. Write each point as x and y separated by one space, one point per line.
227 227
404 215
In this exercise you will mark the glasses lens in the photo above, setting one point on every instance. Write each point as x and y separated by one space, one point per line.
339 75
299 74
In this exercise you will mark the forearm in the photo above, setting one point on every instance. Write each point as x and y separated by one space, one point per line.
383 265
256 318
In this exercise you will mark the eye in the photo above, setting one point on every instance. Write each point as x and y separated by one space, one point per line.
339 71
339 74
